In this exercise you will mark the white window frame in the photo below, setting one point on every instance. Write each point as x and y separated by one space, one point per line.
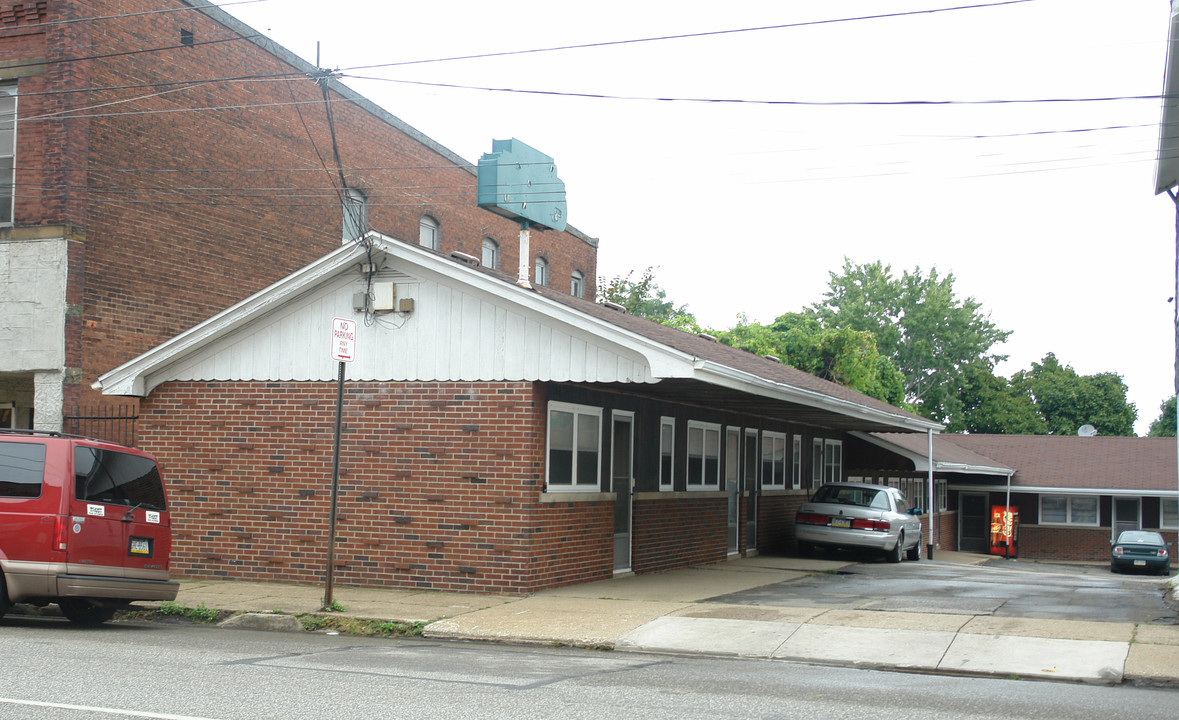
541 271
490 257
667 450
429 232
1068 510
796 464
1163 503
8 154
942 488
577 411
577 284
816 463
832 460
777 445
710 439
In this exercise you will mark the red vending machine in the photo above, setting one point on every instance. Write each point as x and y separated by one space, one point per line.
1004 531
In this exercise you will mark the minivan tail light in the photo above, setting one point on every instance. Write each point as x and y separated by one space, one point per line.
60 528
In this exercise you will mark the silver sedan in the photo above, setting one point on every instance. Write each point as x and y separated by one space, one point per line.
851 515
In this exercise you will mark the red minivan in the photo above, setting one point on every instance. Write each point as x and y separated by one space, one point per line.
83 523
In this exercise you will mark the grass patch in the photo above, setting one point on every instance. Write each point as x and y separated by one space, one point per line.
200 613
358 626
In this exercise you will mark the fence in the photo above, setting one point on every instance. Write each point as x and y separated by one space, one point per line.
114 423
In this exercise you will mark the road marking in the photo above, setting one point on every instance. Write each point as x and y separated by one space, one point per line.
109 711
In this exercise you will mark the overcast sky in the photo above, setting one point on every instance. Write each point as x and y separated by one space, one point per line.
1044 212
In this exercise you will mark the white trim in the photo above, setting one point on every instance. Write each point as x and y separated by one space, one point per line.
1045 490
577 411
777 480
921 461
668 483
1162 502
706 430
1068 511
796 463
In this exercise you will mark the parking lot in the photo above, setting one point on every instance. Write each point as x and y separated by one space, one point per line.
998 587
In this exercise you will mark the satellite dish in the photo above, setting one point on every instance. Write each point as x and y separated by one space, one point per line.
1086 431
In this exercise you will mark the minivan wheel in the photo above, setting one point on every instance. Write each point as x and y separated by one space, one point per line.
4 604
894 555
84 612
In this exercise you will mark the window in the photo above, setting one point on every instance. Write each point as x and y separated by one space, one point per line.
796 466
816 463
832 460
1068 510
7 152
117 478
773 460
574 447
943 502
703 456
666 453
429 233
542 272
355 214
22 469
490 254
1168 513
577 284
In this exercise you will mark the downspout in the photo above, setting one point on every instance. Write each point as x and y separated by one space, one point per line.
932 498
1007 518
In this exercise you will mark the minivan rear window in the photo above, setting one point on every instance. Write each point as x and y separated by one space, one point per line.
117 478
22 469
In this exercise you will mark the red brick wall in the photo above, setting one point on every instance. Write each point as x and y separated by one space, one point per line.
775 524
439 485
679 532
193 195
1042 542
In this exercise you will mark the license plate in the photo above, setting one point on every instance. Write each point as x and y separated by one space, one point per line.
1139 562
840 522
141 546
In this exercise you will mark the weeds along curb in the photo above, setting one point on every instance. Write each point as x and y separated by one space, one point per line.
311 622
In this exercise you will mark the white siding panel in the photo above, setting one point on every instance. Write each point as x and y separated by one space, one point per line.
454 333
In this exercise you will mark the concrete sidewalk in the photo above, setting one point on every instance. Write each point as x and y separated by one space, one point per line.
670 613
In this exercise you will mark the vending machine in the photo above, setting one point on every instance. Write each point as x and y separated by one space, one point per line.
1004 530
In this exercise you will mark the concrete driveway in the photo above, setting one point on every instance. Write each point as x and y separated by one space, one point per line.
999 588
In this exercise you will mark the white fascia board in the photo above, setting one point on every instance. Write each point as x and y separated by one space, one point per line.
1042 490
130 378
725 376
921 462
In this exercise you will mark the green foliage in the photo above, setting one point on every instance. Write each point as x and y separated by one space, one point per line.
991 404
644 297
361 626
334 606
1164 425
1067 400
919 324
200 613
847 357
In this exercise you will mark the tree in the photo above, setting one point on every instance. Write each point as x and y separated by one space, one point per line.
1164 426
1067 400
919 324
991 404
644 297
847 357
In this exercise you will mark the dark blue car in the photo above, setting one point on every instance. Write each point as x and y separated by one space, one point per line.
1140 550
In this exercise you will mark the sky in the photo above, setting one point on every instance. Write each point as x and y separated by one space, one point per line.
746 162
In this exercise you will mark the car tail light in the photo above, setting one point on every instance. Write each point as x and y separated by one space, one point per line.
60 527
811 519
861 524
1162 552
1117 551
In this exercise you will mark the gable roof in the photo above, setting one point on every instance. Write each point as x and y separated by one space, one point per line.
472 323
1049 462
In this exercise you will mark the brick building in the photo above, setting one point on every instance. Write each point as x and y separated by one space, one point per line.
170 161
1074 495
496 438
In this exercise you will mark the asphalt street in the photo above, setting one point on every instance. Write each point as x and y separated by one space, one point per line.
1001 588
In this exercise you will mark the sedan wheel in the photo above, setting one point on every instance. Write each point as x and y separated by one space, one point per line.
894 555
914 553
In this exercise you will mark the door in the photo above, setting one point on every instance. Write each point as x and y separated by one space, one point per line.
974 522
118 520
749 467
1127 515
622 485
733 484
